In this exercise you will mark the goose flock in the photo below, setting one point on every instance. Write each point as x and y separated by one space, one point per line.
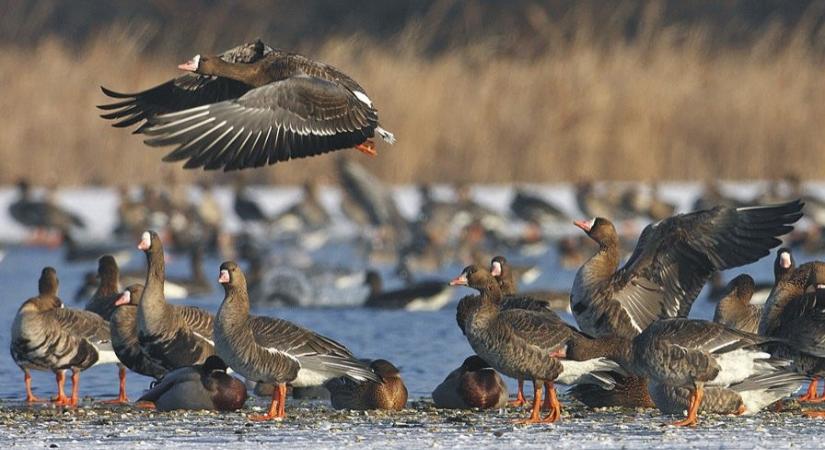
632 344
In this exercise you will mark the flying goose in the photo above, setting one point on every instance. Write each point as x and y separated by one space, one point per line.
251 106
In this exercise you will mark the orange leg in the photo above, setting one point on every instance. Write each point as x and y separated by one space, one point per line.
519 401
695 401
145 405
535 416
810 394
61 398
30 398
276 408
554 404
367 147
121 399
75 388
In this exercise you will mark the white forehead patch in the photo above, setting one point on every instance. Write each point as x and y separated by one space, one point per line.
590 223
363 97
785 260
197 61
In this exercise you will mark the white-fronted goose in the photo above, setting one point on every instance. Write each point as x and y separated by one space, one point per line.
532 207
269 350
204 386
473 385
41 214
252 106
745 398
45 336
735 310
551 300
123 327
174 335
526 344
672 261
389 394
696 353
719 289
420 296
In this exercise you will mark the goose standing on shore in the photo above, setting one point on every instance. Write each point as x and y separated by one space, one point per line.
174 335
275 351
45 336
123 327
672 261
251 106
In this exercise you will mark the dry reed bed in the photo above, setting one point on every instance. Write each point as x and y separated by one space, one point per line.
659 108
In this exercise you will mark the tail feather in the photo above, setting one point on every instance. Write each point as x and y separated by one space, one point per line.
385 135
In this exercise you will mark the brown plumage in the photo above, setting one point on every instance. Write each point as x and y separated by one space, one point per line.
124 329
388 394
202 386
735 310
629 392
46 336
102 302
269 350
473 385
251 106
174 335
672 261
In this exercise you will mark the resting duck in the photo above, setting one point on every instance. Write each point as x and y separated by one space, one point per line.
269 350
629 392
389 394
797 317
45 336
735 310
526 344
202 386
745 398
421 296
693 354
473 385
123 327
251 106
174 335
672 261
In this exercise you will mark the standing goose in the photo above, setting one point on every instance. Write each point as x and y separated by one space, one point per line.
735 310
672 261
389 394
46 336
275 351
202 386
693 354
526 344
124 330
473 385
174 335
252 106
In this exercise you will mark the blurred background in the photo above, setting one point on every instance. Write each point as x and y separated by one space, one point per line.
476 91
513 118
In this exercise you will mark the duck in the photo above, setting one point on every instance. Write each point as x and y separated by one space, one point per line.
672 261
474 384
269 350
420 296
123 327
389 394
525 344
629 392
46 336
693 354
251 106
745 398
204 386
175 335
735 310
795 315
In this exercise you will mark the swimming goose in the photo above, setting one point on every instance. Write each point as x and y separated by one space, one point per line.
252 106
693 354
204 386
389 394
174 335
473 385
526 344
672 261
123 327
269 350
421 296
45 336
735 310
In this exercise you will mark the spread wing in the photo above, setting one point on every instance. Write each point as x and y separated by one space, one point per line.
292 118
675 257
184 92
